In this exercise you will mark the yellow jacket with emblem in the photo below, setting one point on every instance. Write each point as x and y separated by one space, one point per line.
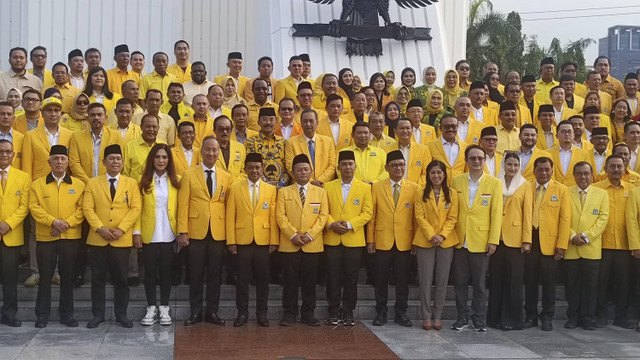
293 217
35 151
244 222
15 205
589 219
555 216
147 221
516 218
436 149
419 159
356 210
237 153
81 152
436 219
615 235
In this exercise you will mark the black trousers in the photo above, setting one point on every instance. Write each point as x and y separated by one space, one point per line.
614 269
10 258
205 254
400 261
506 274
300 268
468 266
158 262
48 253
252 257
80 263
114 260
581 289
343 264
539 268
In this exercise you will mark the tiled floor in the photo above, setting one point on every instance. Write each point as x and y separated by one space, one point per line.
363 341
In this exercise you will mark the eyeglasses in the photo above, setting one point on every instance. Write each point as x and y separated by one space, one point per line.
82 103
396 166
39 56
225 129
289 109
305 95
476 158
491 140
30 99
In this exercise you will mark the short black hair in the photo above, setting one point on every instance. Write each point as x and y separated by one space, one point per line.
264 58
185 124
53 68
91 50
629 124
595 62
568 63
471 147
199 63
18 49
221 117
563 122
175 45
137 53
39 47
528 126
542 160
582 163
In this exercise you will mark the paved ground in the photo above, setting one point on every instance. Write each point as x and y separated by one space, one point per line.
113 342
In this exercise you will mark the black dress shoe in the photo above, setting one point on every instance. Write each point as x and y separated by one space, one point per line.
288 320
78 281
41 323
309 320
192 320
262 320
380 319
625 324
69 322
133 281
240 320
213 318
571 324
124 322
546 325
529 323
402 320
590 325
95 322
13 322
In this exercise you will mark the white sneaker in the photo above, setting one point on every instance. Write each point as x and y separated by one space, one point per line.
165 319
32 281
151 317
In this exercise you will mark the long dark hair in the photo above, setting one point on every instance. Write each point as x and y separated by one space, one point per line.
613 110
88 87
429 186
494 94
147 174
392 124
348 89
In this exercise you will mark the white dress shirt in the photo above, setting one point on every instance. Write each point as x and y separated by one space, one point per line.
97 142
463 129
451 150
565 159
77 82
115 183
634 159
417 134
524 158
473 192
213 176
53 138
599 160
549 139
286 130
335 130
188 154
406 152
558 114
478 114
491 164
162 232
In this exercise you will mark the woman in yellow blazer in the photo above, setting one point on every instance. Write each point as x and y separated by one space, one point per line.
506 266
156 229
97 88
436 212
76 119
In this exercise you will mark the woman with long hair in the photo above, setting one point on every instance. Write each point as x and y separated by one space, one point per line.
378 83
434 111
391 117
620 115
592 98
506 265
428 84
451 89
156 230
436 211
345 81
76 119
492 80
408 79
97 88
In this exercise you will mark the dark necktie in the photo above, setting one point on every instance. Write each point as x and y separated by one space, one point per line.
312 152
210 182
302 197
112 188
174 113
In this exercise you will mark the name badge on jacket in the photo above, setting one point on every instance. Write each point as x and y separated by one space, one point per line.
554 198
595 212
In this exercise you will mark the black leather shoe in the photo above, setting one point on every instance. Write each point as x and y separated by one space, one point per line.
402 320
124 322
288 320
625 324
133 281
69 322
95 322
529 323
571 324
192 320
13 322
309 320
213 318
546 325
591 325
78 281
241 320
380 319
262 320
41 323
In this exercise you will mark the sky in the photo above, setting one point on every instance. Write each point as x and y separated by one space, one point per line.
568 22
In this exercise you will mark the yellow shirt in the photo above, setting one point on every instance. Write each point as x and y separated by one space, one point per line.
382 142
507 140
612 86
181 75
48 79
155 81
133 132
113 118
68 93
167 129
369 163
72 124
615 235
49 201
183 110
135 157
109 104
117 77
543 88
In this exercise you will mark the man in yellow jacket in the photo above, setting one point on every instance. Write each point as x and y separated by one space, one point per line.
417 156
350 208
551 222
370 160
202 199
288 87
14 208
302 213
232 152
566 155
389 236
111 205
478 229
448 148
339 130
616 262
589 217
528 150
252 234
422 133
185 155
56 205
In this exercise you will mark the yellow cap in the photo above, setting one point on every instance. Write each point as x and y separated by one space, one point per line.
50 101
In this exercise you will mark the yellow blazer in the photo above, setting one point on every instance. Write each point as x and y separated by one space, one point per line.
35 151
633 219
527 173
203 129
133 132
197 211
237 153
294 218
18 140
490 116
577 155
473 133
437 152
180 161
436 219
615 235
81 152
523 115
428 134
516 218
419 159
483 220
15 205
48 202
356 210
147 221
555 216
498 158
246 224
590 219
20 123
542 141
392 224
286 87
325 169
122 212
344 136
522 104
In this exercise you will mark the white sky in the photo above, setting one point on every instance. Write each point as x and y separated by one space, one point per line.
591 23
